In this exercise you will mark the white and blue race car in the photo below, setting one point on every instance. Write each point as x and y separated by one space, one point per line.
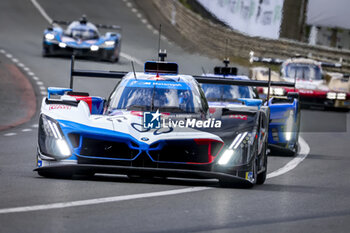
82 39
155 123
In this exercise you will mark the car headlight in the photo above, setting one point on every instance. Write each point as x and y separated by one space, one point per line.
52 142
341 96
109 43
49 36
331 95
278 91
62 45
238 152
94 48
274 91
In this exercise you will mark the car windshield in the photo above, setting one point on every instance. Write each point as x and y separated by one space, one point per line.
150 95
226 93
303 71
82 31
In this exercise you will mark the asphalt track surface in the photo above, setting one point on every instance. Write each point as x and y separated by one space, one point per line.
311 197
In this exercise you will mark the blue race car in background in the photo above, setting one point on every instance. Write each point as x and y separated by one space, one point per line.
284 123
82 38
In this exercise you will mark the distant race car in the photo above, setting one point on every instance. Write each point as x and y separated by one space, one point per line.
155 123
82 38
284 122
315 86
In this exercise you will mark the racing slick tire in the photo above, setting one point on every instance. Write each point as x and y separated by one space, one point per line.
261 177
234 184
45 52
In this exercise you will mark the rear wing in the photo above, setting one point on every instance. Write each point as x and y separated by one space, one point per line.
331 65
273 61
152 67
277 61
252 83
92 73
103 26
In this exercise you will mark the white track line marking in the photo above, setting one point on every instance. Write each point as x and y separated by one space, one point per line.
95 201
29 73
26 130
131 58
304 151
10 134
42 11
35 125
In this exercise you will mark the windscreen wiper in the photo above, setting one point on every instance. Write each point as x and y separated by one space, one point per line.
152 101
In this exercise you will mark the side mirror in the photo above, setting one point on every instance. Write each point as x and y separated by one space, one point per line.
346 77
327 78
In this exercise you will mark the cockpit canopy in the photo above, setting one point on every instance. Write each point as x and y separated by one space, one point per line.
167 95
227 93
82 31
302 71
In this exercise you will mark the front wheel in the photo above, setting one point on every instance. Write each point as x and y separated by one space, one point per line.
261 177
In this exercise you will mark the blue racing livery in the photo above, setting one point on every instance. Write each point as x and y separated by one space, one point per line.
83 39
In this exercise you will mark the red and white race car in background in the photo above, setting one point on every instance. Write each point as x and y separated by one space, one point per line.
315 86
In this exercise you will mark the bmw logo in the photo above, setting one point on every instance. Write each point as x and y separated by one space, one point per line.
145 139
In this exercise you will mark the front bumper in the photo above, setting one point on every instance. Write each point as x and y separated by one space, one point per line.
324 102
161 172
54 49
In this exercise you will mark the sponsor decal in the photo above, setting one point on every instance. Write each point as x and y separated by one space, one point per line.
59 106
237 116
212 110
249 176
159 83
152 120
137 113
305 91
144 139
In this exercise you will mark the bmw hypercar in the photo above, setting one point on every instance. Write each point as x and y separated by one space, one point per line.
284 111
82 39
155 123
